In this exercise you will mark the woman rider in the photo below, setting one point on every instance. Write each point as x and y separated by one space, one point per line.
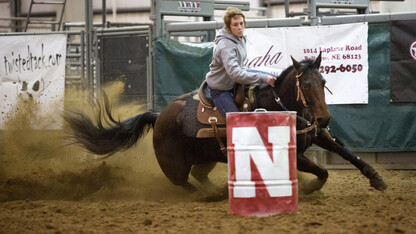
227 67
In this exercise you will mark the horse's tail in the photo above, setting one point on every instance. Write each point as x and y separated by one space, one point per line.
119 136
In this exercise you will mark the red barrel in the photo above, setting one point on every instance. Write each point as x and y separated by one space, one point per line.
262 163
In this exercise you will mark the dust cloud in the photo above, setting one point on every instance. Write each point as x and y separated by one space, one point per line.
43 164
49 186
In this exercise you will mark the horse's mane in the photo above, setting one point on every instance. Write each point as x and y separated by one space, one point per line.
307 64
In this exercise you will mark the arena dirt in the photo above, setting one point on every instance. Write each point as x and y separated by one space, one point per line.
50 186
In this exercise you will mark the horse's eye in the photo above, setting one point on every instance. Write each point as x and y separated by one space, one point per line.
306 85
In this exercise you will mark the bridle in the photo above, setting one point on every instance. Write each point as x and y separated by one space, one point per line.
299 91
300 95
310 127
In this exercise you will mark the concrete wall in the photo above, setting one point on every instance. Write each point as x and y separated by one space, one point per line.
75 10
97 5
4 13
406 6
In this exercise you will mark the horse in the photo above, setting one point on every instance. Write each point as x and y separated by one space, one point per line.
299 88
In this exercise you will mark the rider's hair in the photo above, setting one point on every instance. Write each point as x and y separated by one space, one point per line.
230 13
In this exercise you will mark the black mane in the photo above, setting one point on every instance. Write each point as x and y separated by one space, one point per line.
307 64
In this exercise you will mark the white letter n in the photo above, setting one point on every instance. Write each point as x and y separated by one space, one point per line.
274 173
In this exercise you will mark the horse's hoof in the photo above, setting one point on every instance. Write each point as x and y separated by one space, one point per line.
198 196
311 186
215 197
378 183
202 196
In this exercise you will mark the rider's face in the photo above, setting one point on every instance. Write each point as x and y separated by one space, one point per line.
237 25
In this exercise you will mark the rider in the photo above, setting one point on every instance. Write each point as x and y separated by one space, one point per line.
227 67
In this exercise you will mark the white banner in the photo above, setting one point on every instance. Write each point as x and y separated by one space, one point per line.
344 55
32 68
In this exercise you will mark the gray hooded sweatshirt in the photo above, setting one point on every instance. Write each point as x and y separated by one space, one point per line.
227 66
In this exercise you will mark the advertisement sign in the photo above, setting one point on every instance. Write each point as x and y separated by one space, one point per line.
32 68
344 55
403 61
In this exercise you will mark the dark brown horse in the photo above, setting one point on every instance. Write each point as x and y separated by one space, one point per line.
300 88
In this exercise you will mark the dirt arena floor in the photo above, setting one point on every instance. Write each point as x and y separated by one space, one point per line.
48 186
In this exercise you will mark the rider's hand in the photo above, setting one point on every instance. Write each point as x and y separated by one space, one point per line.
270 80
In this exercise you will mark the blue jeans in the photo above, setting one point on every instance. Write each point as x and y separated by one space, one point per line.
223 100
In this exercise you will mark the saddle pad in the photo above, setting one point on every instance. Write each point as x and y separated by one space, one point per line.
190 123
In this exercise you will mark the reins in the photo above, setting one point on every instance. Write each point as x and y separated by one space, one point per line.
310 127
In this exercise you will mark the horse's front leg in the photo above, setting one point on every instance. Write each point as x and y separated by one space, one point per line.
330 143
306 165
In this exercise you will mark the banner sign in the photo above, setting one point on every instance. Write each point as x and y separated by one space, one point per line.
403 61
32 68
344 56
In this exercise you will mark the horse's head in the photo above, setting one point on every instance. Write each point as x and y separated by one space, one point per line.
310 89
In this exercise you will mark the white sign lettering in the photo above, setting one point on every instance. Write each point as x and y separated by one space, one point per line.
274 172
33 68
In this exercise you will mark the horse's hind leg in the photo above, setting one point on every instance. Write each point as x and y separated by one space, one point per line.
328 142
170 148
200 172
306 165
173 164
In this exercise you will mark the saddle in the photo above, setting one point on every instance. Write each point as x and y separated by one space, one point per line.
207 113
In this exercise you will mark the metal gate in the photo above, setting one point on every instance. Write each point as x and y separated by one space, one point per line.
123 54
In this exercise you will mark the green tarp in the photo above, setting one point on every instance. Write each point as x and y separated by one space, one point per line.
379 126
178 68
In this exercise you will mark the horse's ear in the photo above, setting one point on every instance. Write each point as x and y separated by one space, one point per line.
318 60
296 64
